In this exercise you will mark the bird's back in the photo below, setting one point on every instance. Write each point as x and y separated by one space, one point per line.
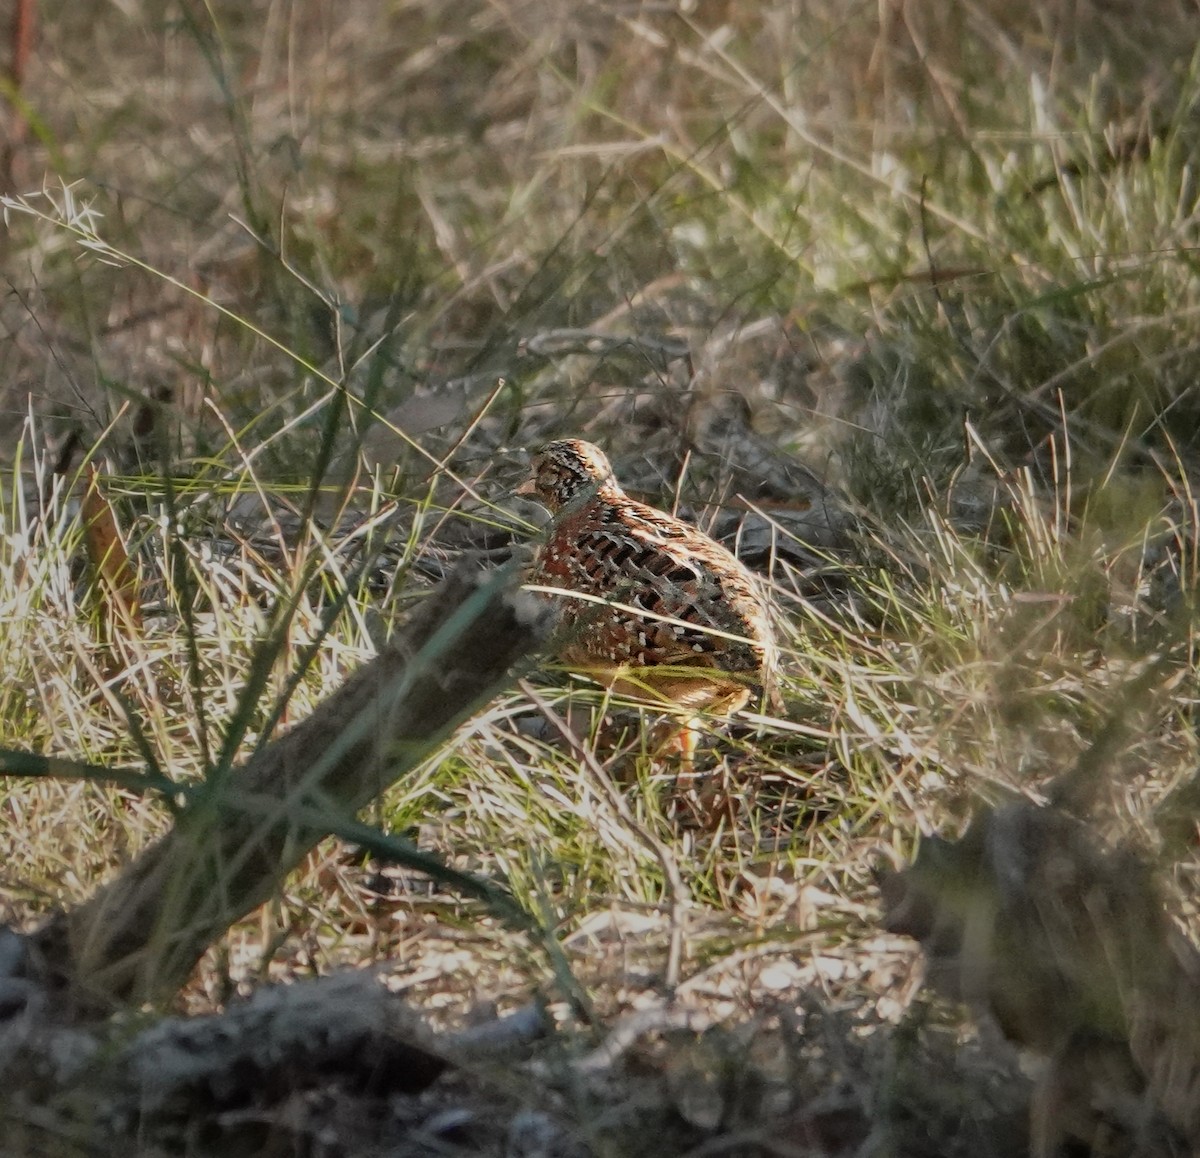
686 600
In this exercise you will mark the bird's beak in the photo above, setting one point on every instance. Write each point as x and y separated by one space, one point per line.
528 487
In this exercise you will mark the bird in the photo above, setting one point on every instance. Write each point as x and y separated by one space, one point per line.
651 607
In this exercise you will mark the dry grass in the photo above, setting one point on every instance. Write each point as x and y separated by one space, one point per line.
292 262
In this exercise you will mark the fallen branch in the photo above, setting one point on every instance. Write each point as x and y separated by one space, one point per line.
138 938
346 1027
224 1072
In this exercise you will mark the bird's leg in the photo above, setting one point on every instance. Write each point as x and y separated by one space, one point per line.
694 795
701 799
671 741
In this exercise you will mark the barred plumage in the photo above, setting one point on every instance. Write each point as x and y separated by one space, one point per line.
667 613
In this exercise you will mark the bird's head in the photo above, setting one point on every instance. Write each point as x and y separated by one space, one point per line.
566 470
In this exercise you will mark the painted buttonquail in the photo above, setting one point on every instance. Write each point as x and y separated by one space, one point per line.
652 607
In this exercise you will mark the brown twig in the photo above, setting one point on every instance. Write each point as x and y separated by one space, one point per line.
22 31
138 937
